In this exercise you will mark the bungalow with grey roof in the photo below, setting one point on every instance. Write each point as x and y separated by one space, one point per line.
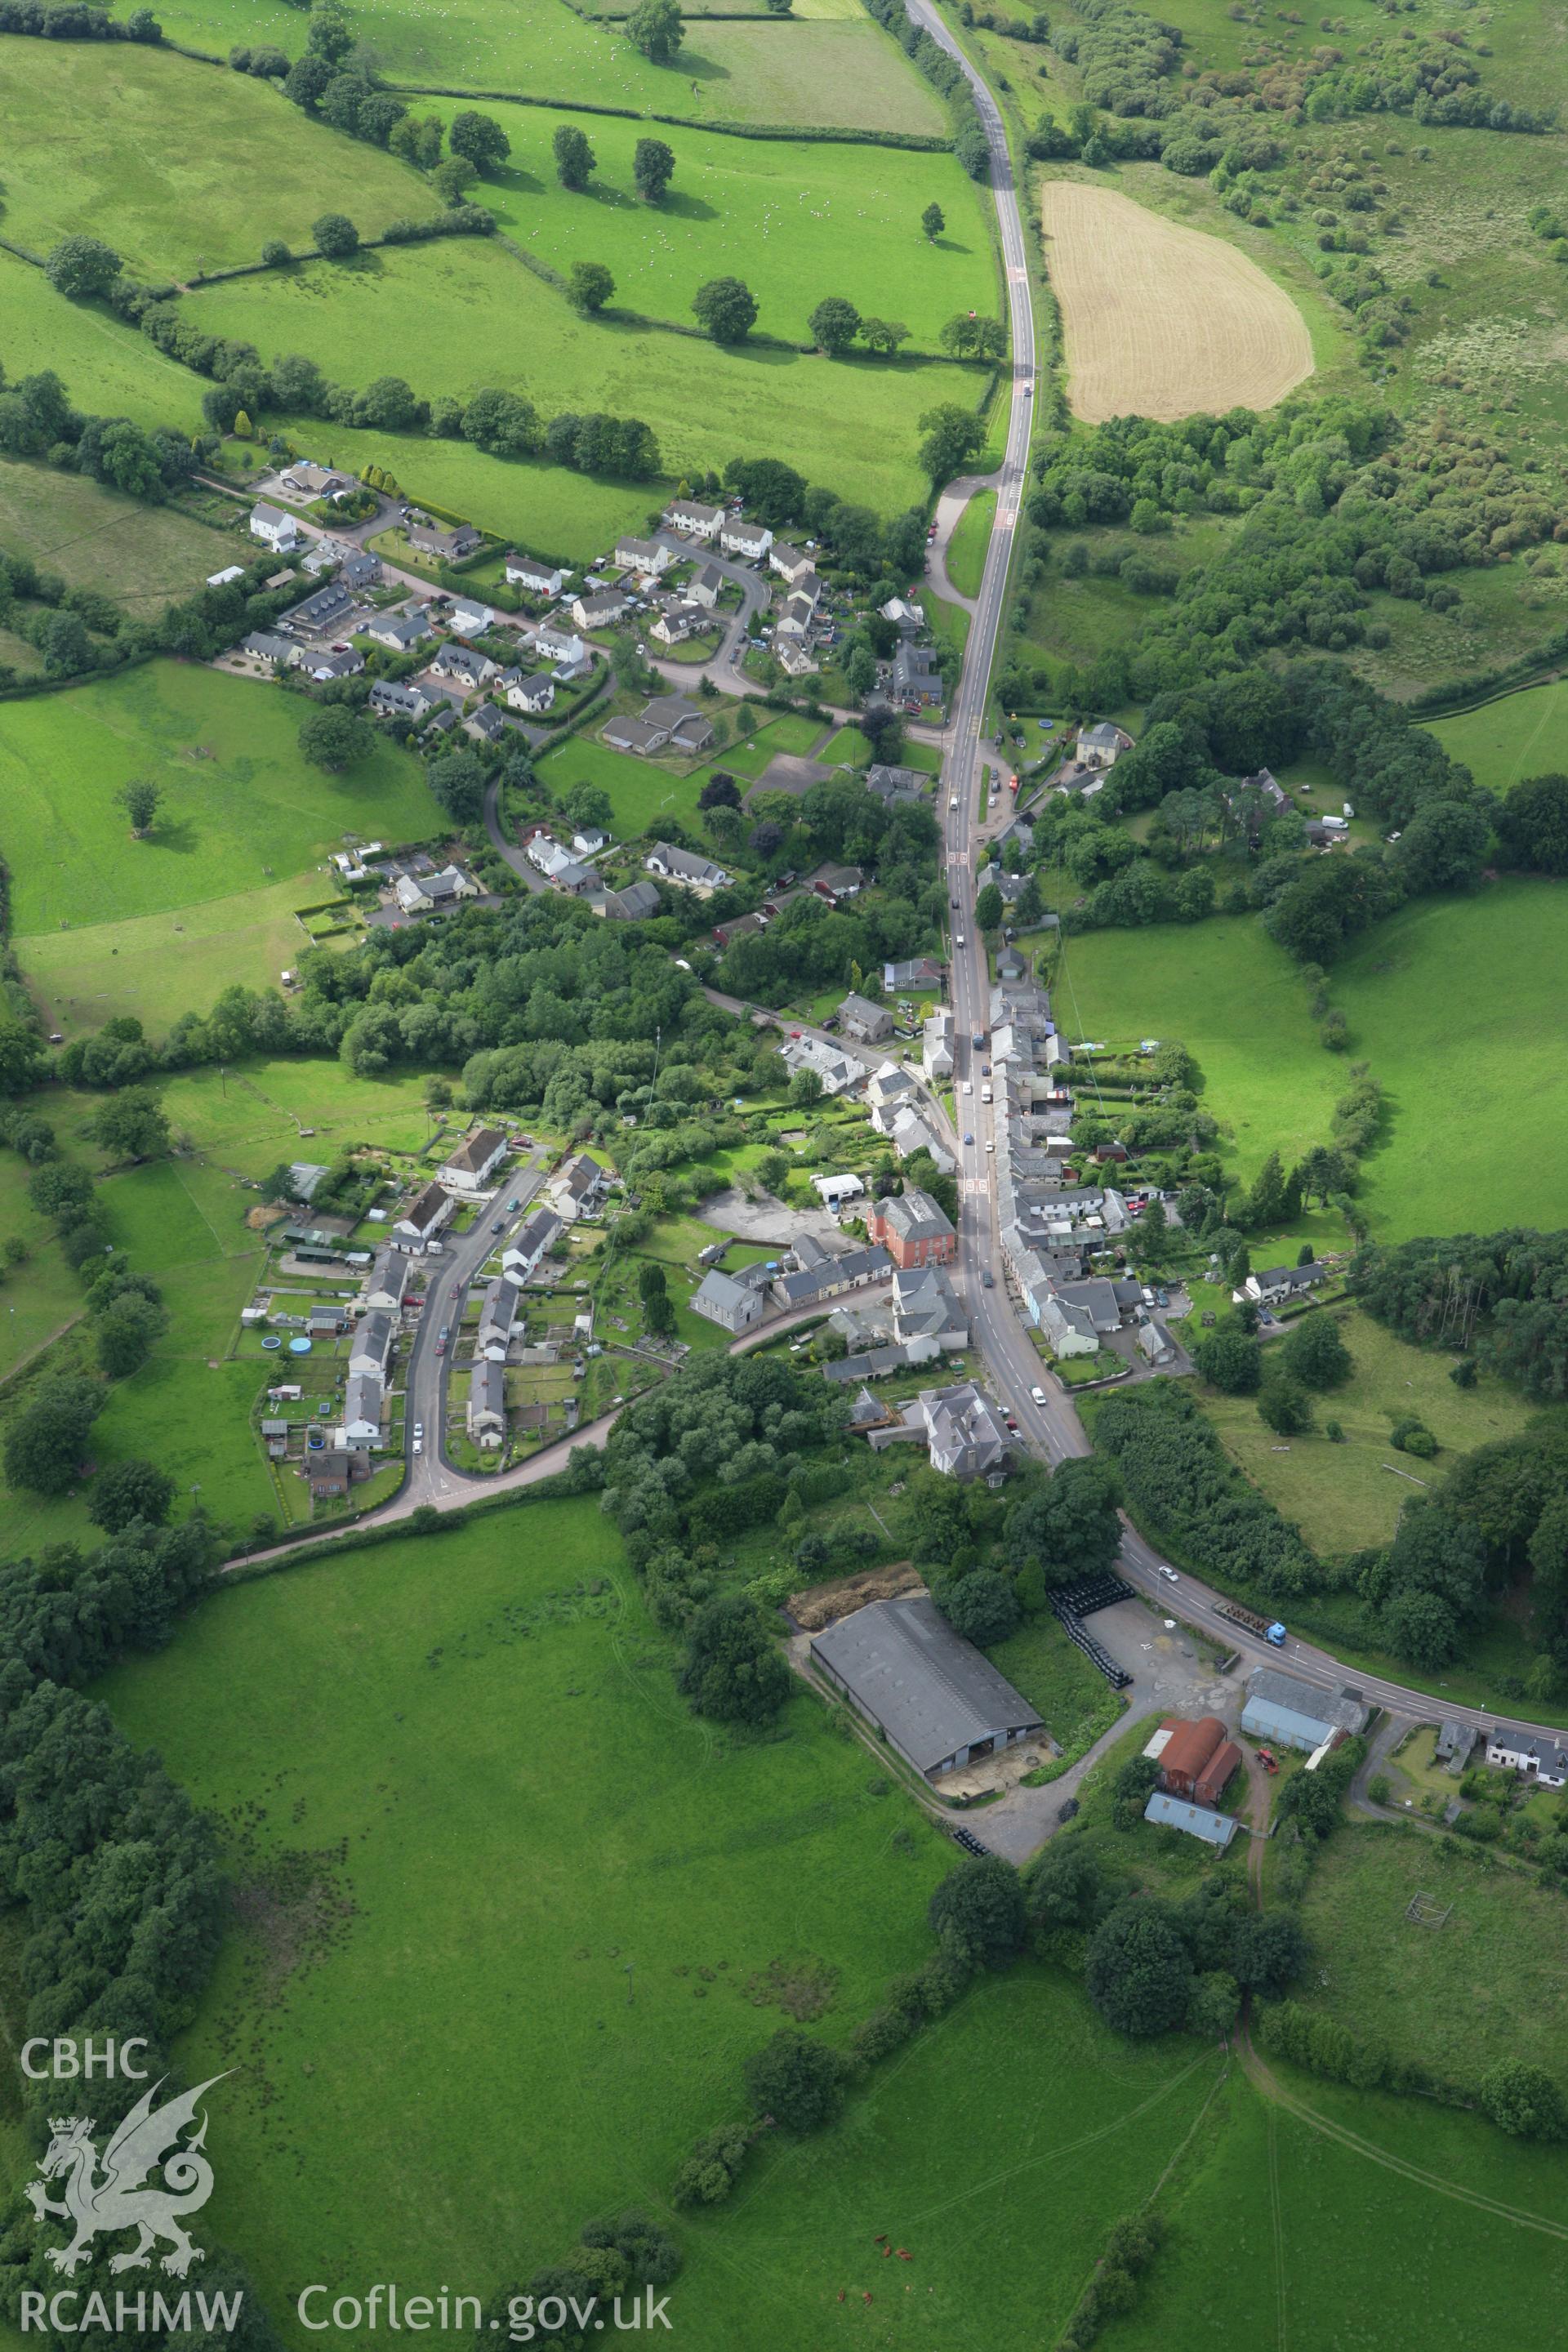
683 866
399 632
317 614
732 1305
640 736
448 546
262 645
635 904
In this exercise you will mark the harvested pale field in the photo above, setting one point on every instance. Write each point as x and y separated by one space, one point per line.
1163 321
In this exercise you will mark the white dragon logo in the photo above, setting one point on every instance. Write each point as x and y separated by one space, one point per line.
145 2142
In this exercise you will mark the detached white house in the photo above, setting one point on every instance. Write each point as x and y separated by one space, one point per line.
536 579
424 1217
467 1168
275 529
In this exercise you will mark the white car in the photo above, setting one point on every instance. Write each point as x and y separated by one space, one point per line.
418 1429
419 1445
1038 1395
1169 1574
960 942
968 1086
990 1146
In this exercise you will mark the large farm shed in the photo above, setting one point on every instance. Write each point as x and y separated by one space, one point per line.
1297 1714
929 1692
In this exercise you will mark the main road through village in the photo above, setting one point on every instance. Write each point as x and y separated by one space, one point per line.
1052 1429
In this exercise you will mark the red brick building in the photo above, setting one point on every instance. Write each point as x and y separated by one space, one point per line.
913 1230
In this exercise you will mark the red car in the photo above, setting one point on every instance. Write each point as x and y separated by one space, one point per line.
441 1347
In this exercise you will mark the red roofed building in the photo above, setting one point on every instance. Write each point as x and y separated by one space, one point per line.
1198 1760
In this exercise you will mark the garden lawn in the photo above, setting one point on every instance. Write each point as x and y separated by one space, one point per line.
486 320
830 74
92 537
797 221
1299 2238
239 802
1344 1498
971 538
642 794
1519 735
178 168
1488 1985
472 1743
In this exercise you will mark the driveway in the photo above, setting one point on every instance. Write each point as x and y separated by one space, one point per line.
1172 1675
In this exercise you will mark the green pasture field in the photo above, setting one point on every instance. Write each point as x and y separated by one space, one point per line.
241 805
39 1297
1346 2222
1344 1498
995 2150
1487 1985
795 220
1235 1001
832 73
159 966
1487 976
971 538
1471 984
546 510
487 320
188 1407
528 1810
92 537
1518 736
104 364
178 167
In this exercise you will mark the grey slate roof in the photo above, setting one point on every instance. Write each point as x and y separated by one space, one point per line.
932 1691
1271 1688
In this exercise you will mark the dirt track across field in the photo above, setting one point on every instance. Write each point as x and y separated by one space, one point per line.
1163 321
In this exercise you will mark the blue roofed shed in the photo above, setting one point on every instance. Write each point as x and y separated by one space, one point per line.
1198 1821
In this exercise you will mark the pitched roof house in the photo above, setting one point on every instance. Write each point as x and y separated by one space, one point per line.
466 1169
539 579
693 518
